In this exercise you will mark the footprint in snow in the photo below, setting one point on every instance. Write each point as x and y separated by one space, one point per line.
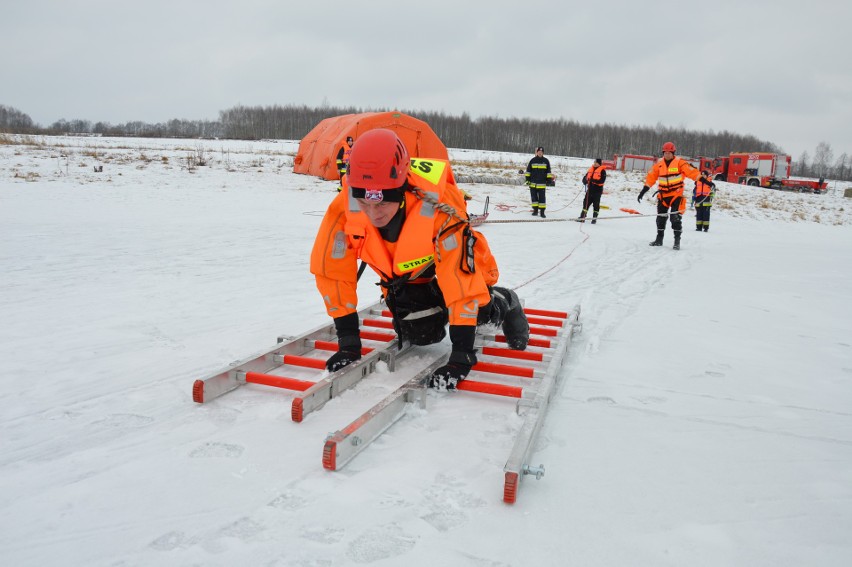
600 400
217 450
288 501
322 534
243 529
446 502
379 543
169 541
128 420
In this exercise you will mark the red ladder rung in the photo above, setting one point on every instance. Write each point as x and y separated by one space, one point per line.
374 336
544 321
277 381
543 331
331 345
546 313
507 369
378 323
532 342
509 353
490 388
305 361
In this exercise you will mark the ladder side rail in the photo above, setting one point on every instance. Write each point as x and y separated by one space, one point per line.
517 464
334 384
224 381
343 445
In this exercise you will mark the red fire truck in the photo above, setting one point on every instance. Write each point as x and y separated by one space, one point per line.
633 162
761 169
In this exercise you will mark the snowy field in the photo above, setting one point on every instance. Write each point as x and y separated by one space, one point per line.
704 416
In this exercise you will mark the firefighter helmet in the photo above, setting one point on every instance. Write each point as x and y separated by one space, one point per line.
379 161
669 147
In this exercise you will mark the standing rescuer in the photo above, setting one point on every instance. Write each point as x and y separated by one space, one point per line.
538 175
343 159
594 181
669 173
407 220
702 198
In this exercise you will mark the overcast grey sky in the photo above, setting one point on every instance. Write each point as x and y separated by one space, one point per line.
780 70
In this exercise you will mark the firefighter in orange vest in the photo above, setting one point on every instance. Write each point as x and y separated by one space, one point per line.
702 200
343 159
669 173
407 220
594 181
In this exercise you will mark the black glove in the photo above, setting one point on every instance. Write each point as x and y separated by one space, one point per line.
642 193
348 341
447 376
340 359
461 360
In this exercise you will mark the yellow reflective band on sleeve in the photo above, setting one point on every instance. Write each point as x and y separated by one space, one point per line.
428 169
410 265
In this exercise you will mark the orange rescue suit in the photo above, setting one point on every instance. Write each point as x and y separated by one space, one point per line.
670 177
346 235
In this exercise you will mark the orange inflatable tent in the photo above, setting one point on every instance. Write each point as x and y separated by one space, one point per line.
318 150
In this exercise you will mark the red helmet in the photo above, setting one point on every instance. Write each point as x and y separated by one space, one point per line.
669 147
379 161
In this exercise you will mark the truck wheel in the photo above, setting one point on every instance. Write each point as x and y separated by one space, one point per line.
753 182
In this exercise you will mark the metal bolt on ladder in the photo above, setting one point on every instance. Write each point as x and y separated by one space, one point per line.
537 471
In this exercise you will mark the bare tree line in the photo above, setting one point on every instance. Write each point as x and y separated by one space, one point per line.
558 136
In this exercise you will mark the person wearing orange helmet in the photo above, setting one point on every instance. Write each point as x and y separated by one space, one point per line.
669 173
407 220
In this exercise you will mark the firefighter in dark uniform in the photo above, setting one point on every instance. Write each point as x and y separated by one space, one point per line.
702 200
343 159
538 177
594 182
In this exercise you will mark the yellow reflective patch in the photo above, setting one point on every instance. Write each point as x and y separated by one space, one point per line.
429 169
409 265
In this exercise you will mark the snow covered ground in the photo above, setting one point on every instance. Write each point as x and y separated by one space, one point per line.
704 415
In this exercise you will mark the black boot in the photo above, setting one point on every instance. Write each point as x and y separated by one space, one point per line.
658 241
507 311
698 228
542 213
677 241
535 212
706 228
595 218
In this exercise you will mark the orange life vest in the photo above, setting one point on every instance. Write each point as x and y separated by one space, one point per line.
343 158
594 175
702 189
